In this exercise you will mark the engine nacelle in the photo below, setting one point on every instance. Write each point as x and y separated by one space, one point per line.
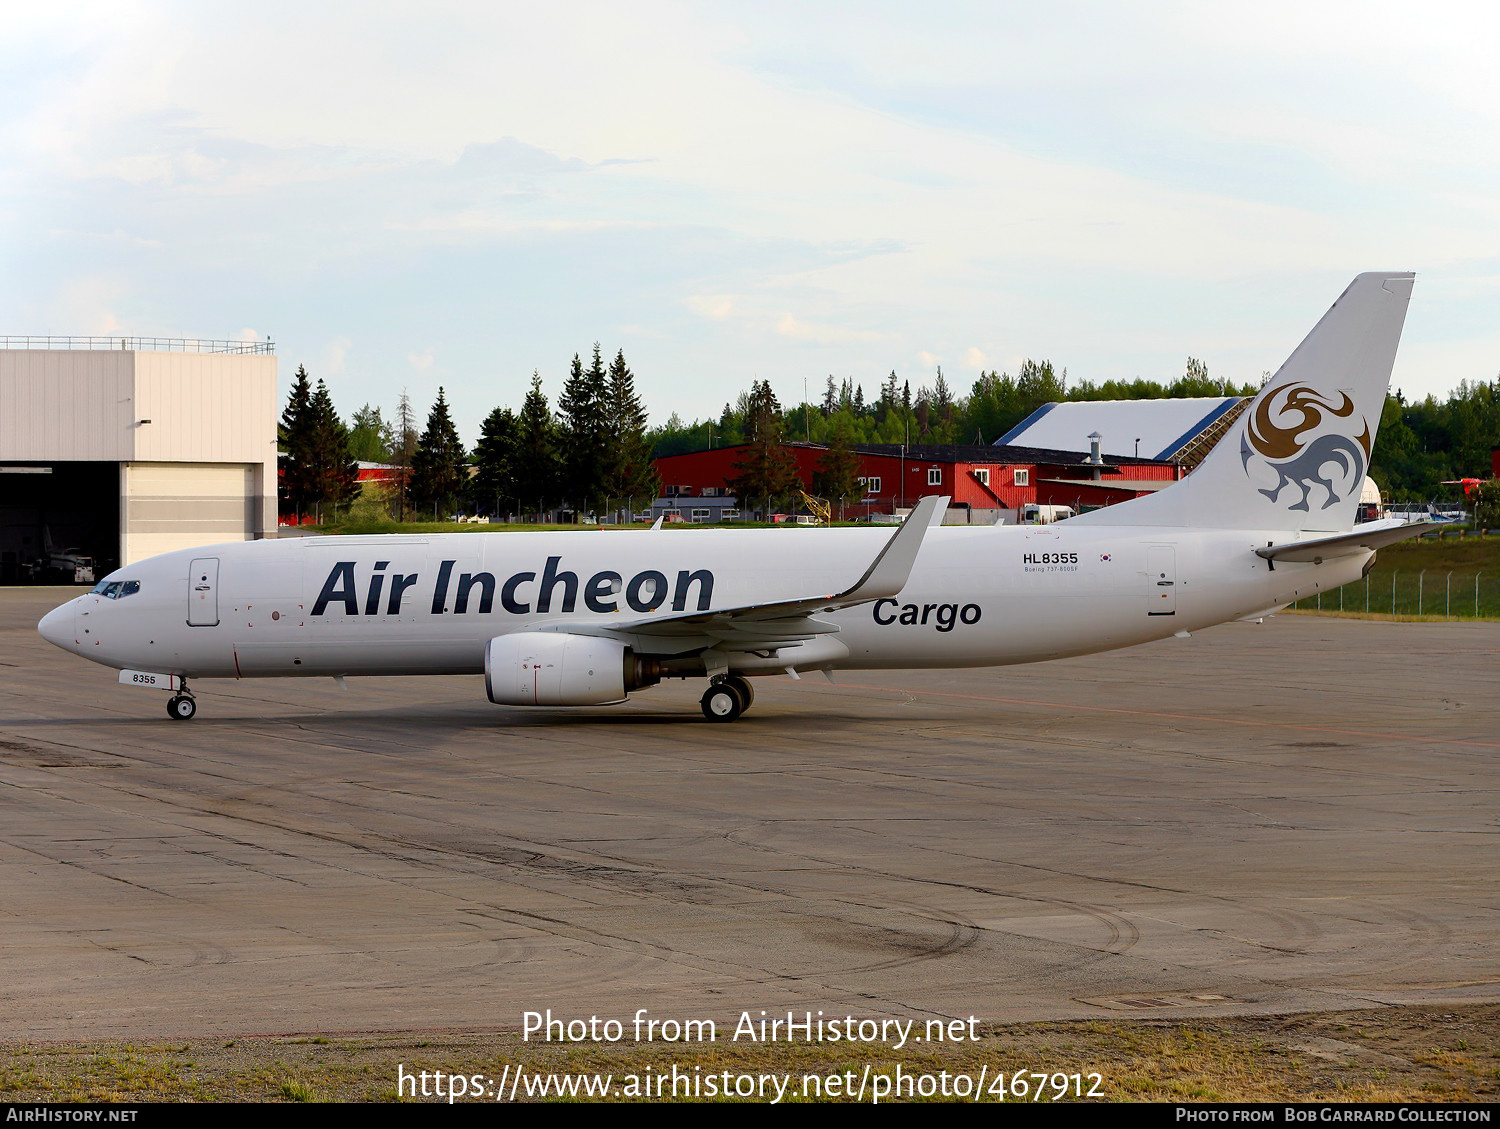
553 668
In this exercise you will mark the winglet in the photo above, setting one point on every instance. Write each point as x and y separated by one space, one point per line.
887 575
655 525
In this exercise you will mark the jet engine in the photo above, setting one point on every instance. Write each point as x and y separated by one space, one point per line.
553 668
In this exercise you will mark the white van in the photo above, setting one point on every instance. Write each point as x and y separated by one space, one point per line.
1035 514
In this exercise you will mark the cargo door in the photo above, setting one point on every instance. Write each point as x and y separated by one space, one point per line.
203 593
1161 580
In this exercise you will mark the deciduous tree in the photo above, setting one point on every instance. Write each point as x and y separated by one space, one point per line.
371 437
837 478
403 452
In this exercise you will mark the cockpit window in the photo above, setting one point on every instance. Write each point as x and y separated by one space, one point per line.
116 589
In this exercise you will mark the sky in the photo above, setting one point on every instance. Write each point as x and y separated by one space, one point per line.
458 194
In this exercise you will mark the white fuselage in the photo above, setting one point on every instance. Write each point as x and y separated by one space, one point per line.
977 596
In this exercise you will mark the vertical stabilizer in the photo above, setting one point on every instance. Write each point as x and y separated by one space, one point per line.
1297 457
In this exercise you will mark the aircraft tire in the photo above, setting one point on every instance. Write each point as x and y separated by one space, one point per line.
181 708
723 702
747 691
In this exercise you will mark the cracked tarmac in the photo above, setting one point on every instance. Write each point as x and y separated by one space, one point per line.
1287 817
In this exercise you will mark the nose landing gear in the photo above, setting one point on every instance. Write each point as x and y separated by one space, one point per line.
727 697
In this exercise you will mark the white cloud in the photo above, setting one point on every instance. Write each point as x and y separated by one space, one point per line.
715 306
337 353
1110 186
88 305
823 334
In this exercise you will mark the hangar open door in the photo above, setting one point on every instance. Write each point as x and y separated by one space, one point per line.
55 515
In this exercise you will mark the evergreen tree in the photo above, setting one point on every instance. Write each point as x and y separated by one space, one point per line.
888 397
942 398
584 432
439 472
538 467
768 471
731 427
332 472
629 474
298 481
495 461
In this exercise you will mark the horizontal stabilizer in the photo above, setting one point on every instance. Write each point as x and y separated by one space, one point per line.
1367 537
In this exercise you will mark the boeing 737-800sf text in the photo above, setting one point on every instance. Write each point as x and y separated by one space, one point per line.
586 618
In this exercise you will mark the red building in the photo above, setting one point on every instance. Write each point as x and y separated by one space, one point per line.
987 484
382 474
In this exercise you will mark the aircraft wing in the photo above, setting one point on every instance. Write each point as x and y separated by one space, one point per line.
1368 536
784 622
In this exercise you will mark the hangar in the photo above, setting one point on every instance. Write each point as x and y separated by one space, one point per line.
119 448
1176 430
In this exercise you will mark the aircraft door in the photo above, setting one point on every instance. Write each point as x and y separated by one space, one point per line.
1161 580
203 593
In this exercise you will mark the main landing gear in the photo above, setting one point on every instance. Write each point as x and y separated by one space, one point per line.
727 697
182 705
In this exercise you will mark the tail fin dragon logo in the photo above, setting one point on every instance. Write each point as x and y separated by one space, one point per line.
1302 464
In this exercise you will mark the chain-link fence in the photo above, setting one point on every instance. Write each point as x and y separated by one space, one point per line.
1430 591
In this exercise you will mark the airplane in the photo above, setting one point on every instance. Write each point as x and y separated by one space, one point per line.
589 618
72 566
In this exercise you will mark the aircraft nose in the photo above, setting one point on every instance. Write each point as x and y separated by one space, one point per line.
57 626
